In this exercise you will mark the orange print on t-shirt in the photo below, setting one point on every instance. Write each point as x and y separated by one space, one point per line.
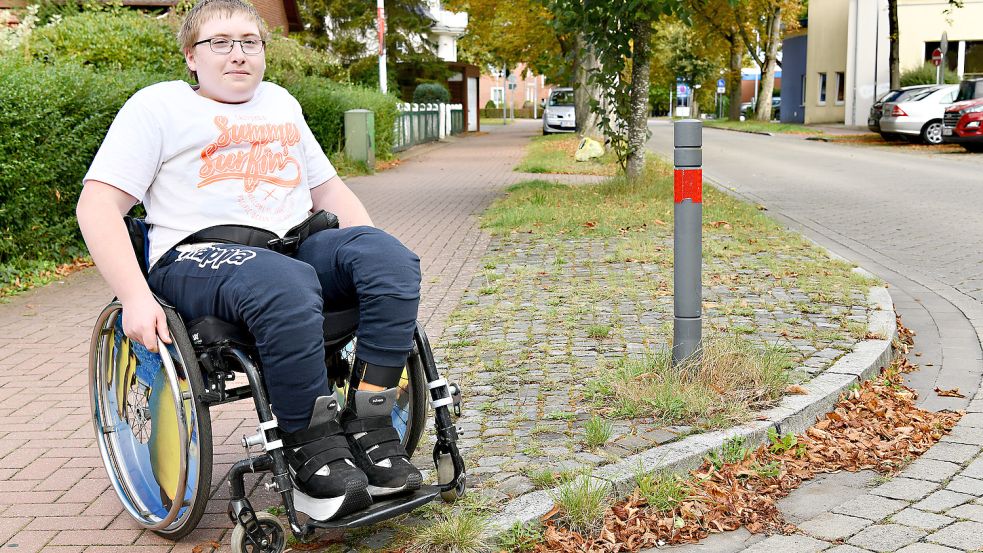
258 164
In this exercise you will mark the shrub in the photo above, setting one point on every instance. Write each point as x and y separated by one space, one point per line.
490 105
54 119
288 60
325 103
926 74
112 41
431 93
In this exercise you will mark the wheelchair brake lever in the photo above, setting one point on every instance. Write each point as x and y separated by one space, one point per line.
456 396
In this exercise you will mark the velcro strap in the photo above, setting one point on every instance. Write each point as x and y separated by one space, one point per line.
387 450
309 435
378 437
368 424
311 450
315 463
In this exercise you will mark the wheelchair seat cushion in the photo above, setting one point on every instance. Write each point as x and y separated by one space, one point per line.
209 331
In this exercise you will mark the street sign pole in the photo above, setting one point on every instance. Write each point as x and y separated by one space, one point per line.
381 22
937 61
687 251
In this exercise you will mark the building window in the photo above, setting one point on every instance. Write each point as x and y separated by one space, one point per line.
498 96
973 64
840 87
822 89
530 93
802 92
951 55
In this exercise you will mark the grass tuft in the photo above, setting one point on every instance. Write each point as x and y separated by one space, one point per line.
457 531
598 431
521 537
582 503
731 378
663 491
598 331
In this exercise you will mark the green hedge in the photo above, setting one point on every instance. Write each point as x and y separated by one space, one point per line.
325 103
111 41
53 119
520 113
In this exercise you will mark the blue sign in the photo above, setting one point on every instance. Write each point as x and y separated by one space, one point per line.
682 91
721 83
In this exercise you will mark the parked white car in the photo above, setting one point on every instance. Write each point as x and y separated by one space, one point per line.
919 116
558 114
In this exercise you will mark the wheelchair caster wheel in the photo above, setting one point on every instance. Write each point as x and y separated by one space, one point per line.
445 475
274 536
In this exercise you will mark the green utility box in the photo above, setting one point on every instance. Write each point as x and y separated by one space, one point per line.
360 136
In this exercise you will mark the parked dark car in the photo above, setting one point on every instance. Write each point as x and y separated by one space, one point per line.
963 121
877 110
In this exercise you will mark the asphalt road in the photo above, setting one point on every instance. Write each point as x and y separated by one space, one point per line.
913 218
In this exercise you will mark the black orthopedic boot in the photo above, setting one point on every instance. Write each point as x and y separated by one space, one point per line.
374 442
322 467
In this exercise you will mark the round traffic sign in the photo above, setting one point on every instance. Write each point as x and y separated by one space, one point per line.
937 57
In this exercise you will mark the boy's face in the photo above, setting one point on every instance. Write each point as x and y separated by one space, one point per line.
229 78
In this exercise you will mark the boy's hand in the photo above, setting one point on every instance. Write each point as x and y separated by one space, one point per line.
144 321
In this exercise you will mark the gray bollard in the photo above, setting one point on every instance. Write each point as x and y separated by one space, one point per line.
687 252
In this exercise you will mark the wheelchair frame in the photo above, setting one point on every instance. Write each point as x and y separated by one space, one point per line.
185 365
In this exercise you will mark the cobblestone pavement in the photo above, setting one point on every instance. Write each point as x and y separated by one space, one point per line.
911 219
526 349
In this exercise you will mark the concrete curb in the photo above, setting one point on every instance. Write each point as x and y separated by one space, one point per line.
764 133
795 413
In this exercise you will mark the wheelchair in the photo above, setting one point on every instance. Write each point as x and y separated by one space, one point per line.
150 412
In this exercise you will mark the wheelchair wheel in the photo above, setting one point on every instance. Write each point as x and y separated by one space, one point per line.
270 525
409 413
153 431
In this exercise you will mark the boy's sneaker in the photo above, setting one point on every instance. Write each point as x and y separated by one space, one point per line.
321 465
376 445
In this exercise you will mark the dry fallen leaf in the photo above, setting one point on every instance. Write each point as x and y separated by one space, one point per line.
948 393
796 390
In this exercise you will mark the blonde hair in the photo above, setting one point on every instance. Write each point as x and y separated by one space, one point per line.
206 10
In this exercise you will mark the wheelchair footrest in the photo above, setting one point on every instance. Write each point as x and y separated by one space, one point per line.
382 509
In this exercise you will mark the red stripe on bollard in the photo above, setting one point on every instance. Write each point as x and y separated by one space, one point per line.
688 185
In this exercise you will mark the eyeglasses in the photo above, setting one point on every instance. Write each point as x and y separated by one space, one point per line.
250 46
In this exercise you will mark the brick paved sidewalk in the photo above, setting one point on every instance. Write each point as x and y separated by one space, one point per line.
54 493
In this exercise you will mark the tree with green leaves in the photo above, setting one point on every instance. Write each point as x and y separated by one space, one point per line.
347 30
522 33
685 55
720 18
619 32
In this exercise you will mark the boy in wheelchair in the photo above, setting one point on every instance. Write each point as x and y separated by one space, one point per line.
224 170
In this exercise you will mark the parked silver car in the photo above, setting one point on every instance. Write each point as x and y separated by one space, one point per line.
895 95
919 117
558 115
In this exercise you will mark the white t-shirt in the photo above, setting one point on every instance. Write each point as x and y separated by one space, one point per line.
195 162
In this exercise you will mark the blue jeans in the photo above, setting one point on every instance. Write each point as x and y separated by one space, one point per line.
281 300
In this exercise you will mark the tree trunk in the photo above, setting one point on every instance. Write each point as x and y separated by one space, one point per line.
641 66
892 57
734 77
763 109
588 122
